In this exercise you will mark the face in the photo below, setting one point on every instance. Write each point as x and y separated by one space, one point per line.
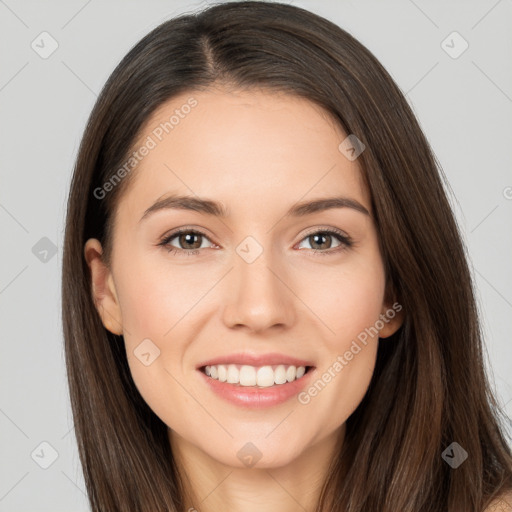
254 292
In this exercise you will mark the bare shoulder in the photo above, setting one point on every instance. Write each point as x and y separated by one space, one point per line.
501 504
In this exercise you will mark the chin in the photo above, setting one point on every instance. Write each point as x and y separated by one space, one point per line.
256 454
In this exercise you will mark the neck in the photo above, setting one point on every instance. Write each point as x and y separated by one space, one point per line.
211 486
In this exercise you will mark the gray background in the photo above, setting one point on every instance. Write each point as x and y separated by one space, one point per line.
464 105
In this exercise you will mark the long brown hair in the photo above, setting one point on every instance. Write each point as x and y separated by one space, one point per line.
429 387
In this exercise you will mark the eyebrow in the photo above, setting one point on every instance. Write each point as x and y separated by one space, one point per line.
210 207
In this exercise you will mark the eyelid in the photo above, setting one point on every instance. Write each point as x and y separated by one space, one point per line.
344 239
165 239
323 229
186 229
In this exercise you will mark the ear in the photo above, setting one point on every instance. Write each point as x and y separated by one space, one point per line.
103 288
392 316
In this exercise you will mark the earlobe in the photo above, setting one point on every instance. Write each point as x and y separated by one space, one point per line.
392 316
103 288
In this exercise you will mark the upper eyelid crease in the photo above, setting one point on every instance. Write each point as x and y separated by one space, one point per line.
209 207
342 237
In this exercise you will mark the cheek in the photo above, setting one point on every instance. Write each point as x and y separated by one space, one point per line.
158 305
351 311
155 298
347 301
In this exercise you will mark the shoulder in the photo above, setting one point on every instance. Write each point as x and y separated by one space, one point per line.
501 504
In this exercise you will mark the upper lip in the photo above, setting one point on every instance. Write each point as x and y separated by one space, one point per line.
256 360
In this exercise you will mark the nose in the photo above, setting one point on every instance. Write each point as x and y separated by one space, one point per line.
259 296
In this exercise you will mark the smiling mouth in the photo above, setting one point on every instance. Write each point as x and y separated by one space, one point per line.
252 376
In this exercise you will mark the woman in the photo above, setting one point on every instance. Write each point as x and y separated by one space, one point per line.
266 301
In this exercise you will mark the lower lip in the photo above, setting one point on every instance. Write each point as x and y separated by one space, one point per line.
253 397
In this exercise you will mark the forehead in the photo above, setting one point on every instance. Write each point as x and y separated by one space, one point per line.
244 148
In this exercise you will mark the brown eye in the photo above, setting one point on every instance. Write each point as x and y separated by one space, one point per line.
189 241
321 242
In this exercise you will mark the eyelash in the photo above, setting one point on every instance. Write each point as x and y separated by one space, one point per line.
346 241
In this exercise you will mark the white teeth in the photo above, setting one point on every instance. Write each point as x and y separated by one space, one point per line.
265 376
233 374
223 373
280 374
291 373
245 375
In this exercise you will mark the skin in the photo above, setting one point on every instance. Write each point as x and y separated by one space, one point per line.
258 153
